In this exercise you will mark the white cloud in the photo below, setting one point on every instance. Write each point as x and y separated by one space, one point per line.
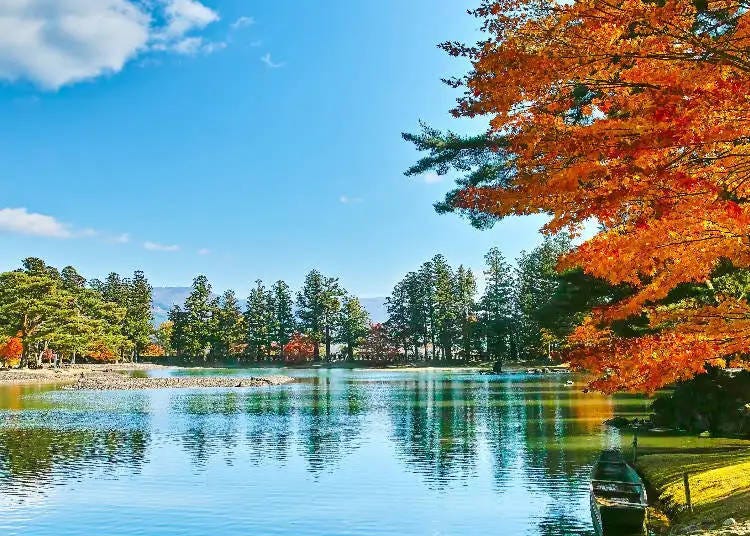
204 251
432 178
184 16
269 62
243 22
123 238
21 221
53 43
154 246
190 46
346 200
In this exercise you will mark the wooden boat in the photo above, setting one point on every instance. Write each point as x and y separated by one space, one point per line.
618 496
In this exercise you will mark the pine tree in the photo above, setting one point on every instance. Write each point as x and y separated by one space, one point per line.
259 321
311 309
497 308
398 325
283 323
318 304
353 325
138 321
537 282
465 311
425 296
230 326
445 318
197 333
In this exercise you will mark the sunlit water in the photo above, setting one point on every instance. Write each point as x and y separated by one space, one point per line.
340 452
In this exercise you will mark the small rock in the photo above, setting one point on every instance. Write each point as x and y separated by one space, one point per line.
705 434
729 522
618 421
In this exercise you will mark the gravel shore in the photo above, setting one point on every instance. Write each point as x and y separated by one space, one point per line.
118 377
122 382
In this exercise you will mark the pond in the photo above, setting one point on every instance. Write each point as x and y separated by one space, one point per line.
422 452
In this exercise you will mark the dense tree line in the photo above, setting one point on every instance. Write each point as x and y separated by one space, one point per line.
55 315
273 325
435 312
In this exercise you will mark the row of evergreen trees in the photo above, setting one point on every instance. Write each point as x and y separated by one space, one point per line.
213 327
436 314
56 314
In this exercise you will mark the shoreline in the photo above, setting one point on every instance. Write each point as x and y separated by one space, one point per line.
720 488
102 377
106 373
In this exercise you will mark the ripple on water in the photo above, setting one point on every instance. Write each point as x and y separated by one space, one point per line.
341 452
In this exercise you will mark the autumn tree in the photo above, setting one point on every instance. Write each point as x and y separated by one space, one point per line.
378 345
11 351
630 114
163 336
300 348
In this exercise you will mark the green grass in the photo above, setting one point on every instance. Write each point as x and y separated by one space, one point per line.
719 483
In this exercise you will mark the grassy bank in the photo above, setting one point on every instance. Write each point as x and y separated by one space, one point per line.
719 474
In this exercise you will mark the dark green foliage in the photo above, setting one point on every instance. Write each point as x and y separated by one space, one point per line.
482 161
353 325
717 402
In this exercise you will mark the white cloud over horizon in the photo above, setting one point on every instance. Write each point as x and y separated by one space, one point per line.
21 221
53 43
155 246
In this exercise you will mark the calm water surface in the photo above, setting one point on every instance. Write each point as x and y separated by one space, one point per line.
341 452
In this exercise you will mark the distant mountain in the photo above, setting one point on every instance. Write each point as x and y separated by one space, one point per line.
164 298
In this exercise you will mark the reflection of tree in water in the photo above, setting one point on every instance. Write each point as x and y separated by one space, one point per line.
269 425
330 421
557 521
211 419
31 458
547 430
435 427
322 417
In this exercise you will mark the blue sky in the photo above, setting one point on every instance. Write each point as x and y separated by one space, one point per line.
239 139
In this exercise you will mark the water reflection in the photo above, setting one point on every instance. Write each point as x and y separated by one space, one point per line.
388 452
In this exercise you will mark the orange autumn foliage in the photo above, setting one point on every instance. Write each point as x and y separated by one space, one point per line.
634 114
299 348
101 352
154 350
11 351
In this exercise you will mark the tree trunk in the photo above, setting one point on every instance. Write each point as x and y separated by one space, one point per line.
328 343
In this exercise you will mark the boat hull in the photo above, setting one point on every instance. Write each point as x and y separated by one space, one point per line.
617 520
